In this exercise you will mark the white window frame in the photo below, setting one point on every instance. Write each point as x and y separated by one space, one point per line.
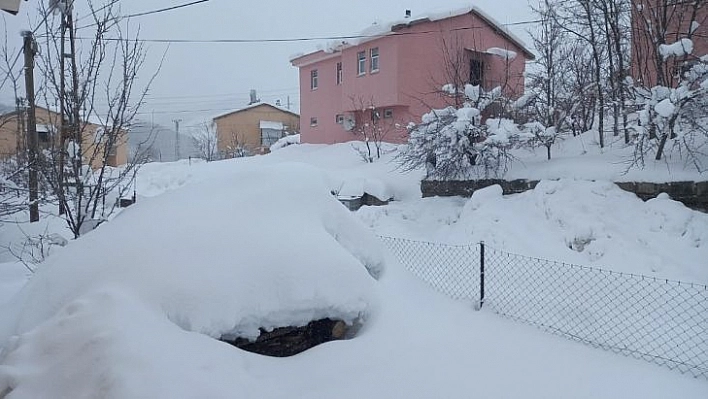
374 59
340 74
314 79
361 63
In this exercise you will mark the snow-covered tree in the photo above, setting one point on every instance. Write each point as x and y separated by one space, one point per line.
675 116
453 143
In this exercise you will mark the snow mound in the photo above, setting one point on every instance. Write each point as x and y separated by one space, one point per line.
285 141
210 258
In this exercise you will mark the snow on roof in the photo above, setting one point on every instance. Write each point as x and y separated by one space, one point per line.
271 125
254 105
506 54
45 128
379 29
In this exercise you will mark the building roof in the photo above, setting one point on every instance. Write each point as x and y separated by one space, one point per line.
378 30
256 105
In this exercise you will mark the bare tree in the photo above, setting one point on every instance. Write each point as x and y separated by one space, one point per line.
78 77
205 140
373 126
235 146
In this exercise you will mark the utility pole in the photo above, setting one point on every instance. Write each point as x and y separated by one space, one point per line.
29 48
177 121
21 132
62 110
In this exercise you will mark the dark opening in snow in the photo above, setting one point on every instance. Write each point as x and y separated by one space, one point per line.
289 341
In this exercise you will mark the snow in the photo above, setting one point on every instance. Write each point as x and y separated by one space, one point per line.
131 309
207 286
676 49
505 54
382 28
694 26
665 108
285 141
271 125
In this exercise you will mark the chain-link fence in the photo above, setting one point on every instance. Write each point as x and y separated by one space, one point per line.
661 321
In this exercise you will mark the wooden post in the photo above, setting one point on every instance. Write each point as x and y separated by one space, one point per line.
32 140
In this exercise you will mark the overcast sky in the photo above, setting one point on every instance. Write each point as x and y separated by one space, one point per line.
199 81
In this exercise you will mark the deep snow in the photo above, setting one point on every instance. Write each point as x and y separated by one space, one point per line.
214 247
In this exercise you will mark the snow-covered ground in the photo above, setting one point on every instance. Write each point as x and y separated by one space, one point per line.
131 309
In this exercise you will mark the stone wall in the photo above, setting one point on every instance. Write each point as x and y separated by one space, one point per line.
692 194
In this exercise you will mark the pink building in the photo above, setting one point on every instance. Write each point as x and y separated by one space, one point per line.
394 74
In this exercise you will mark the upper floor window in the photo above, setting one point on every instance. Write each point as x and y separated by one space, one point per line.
374 54
388 113
361 63
313 121
339 73
476 72
313 79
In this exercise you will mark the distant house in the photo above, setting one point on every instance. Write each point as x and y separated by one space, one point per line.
396 73
13 135
253 129
665 25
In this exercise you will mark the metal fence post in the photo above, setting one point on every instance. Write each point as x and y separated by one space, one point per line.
481 274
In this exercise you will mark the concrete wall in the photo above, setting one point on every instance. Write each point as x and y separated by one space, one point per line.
692 194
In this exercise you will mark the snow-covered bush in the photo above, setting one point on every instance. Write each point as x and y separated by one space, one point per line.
453 143
675 116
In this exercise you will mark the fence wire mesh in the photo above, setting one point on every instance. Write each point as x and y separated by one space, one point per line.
657 320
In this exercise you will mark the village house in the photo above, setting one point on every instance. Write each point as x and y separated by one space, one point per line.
13 135
253 129
395 74
666 25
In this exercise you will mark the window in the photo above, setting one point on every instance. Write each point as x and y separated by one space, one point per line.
340 119
43 137
361 63
388 113
476 72
374 53
313 79
313 121
339 73
270 136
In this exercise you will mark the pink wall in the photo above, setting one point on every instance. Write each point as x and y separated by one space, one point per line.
408 81
323 103
423 54
379 88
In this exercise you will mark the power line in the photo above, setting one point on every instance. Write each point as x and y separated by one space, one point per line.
19 53
285 90
48 13
305 39
140 14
